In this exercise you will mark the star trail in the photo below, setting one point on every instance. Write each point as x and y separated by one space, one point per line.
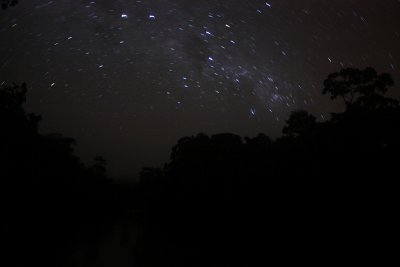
128 78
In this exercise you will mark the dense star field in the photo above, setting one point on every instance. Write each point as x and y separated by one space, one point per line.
128 78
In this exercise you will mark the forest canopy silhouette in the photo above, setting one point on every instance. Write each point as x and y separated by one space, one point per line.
51 199
8 3
218 195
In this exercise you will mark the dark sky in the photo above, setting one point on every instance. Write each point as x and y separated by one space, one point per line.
128 78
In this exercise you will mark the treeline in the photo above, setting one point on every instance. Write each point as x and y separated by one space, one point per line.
323 192
51 201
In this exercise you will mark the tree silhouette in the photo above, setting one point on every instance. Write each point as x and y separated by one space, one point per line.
8 3
99 166
351 83
218 196
299 123
51 201
12 99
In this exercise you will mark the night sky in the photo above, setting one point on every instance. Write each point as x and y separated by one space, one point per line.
128 78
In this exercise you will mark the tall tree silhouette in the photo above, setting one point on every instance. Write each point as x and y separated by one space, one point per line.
363 87
48 195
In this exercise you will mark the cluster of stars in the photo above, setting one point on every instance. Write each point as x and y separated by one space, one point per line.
246 62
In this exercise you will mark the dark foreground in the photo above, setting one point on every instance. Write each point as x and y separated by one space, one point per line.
323 193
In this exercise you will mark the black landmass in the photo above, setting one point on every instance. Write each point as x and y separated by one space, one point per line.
322 193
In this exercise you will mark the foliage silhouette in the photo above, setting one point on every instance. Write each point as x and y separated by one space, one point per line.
8 3
299 123
319 192
220 195
355 86
51 201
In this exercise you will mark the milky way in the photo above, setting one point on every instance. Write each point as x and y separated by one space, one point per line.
128 78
